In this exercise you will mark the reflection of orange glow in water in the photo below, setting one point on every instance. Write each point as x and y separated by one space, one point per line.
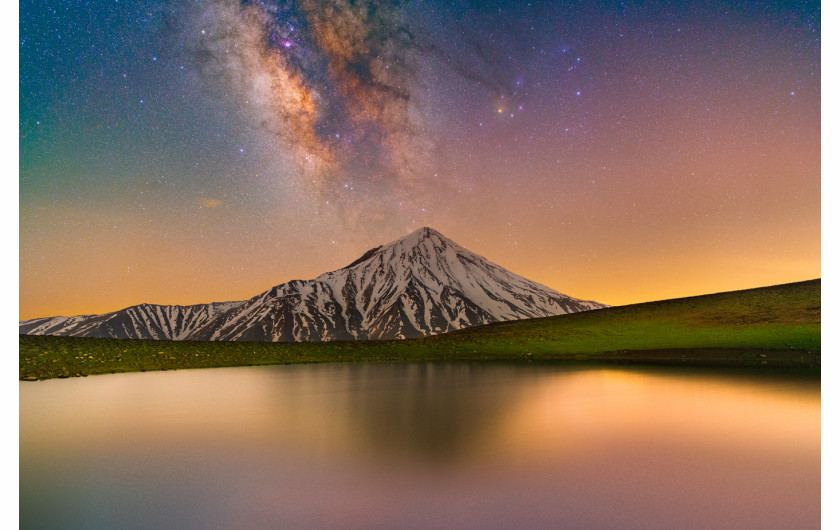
563 413
581 413
377 445
220 407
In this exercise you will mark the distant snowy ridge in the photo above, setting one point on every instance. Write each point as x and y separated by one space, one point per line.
421 284
144 321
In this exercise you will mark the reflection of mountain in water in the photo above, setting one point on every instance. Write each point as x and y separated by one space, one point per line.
437 411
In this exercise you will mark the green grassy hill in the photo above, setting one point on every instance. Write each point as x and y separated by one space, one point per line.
775 326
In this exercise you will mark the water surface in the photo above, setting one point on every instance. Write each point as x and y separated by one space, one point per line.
421 446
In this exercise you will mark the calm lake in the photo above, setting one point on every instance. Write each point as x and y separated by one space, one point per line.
421 446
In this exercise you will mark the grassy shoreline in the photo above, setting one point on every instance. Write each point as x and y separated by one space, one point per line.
775 326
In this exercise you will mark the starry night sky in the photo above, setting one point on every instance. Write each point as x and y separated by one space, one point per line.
188 152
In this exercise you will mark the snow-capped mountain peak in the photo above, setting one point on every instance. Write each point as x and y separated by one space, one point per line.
420 284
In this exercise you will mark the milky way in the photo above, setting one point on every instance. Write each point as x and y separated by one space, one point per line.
332 81
183 152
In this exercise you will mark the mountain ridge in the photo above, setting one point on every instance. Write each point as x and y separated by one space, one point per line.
420 284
